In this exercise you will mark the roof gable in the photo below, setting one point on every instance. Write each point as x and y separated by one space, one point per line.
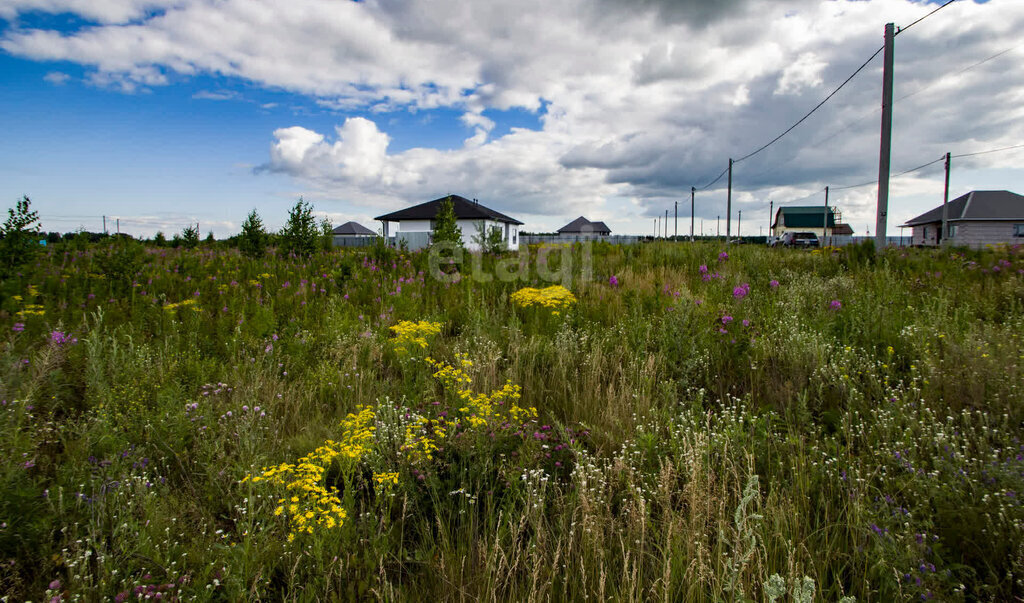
583 225
464 210
977 205
807 216
352 228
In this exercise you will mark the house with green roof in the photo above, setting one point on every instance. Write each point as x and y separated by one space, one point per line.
810 218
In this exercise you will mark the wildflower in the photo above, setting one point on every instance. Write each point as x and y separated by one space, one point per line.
703 269
554 298
612 281
774 284
835 305
741 291
18 327
726 319
723 256
60 338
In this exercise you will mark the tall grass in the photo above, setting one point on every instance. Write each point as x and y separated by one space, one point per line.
781 425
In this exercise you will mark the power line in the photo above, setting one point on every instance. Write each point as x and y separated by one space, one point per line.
811 112
1016 146
965 69
903 29
713 181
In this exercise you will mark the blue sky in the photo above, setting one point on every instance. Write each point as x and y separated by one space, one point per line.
165 113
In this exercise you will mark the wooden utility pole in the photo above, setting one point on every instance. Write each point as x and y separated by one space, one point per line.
104 225
739 225
728 205
886 142
119 226
666 224
693 191
824 231
718 226
675 234
771 216
945 205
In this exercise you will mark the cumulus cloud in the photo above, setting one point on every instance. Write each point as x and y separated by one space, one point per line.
57 78
638 101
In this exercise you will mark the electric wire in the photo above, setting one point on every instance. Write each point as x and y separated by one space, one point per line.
811 112
903 29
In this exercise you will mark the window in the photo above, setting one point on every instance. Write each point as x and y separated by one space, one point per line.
951 231
515 236
1018 230
925 235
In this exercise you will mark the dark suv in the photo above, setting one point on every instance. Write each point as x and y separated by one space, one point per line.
799 239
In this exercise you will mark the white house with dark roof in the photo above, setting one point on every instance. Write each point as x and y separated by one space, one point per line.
976 219
415 224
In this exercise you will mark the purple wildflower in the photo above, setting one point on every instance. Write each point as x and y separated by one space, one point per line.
835 304
18 327
726 319
774 284
723 256
612 281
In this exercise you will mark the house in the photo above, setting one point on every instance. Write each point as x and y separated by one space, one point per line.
352 234
584 227
415 224
976 219
810 218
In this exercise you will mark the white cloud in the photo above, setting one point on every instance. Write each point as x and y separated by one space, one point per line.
641 100
57 78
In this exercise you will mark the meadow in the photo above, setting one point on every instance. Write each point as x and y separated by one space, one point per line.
683 422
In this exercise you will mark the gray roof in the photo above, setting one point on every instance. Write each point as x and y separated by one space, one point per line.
352 228
583 225
464 210
977 205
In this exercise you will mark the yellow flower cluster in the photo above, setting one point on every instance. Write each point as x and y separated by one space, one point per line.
188 303
481 409
30 310
410 334
554 298
308 500
421 438
384 481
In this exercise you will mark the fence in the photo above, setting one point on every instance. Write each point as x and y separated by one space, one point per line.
533 239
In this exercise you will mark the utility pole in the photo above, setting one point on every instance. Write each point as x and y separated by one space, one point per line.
104 225
692 192
739 226
675 228
824 231
945 204
655 228
666 224
119 226
771 216
718 226
728 205
886 142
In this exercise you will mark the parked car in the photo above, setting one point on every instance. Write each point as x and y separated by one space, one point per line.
798 239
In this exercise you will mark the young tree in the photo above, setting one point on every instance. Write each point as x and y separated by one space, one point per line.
18 236
190 236
327 236
159 239
446 230
210 240
489 240
300 234
253 240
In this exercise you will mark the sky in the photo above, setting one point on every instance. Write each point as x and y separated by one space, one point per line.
162 113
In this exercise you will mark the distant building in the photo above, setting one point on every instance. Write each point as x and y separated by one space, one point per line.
811 218
415 224
976 219
352 234
583 227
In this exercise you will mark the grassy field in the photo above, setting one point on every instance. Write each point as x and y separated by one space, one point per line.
687 425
